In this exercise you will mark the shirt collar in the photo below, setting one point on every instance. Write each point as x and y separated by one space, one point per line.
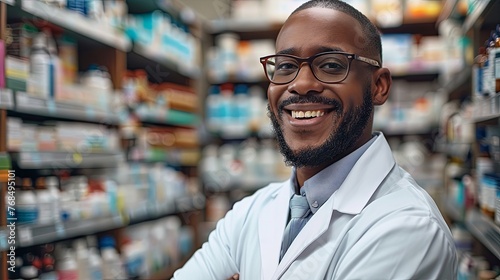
321 186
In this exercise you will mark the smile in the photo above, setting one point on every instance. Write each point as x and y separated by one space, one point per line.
307 114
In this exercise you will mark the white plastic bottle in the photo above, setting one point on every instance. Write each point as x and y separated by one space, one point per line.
67 267
52 185
95 265
82 258
44 200
39 80
111 261
26 206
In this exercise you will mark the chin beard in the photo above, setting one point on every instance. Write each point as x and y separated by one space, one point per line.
350 129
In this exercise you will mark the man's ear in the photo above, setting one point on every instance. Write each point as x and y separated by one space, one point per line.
381 84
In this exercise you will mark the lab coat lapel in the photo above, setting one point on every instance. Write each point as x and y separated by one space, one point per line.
315 227
272 222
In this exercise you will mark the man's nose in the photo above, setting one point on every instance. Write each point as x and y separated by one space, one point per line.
305 82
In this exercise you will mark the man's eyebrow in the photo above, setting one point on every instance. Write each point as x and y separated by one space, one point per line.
287 51
321 49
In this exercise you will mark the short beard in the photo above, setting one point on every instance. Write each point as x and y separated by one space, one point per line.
340 140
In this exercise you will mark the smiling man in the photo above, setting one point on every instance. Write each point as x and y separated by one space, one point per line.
348 211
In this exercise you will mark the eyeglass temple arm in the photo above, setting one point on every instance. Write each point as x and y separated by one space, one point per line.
368 60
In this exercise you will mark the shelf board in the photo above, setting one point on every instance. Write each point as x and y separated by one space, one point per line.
489 119
10 2
29 235
154 211
27 104
61 159
6 99
78 24
154 57
485 230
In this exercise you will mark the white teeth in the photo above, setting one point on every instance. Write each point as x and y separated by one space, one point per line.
307 114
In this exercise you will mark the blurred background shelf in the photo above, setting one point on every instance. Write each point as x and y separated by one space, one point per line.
29 235
26 104
169 117
61 159
485 230
145 56
75 23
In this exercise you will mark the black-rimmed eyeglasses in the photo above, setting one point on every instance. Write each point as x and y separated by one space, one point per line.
327 67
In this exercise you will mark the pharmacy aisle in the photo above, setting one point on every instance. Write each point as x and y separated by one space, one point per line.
99 143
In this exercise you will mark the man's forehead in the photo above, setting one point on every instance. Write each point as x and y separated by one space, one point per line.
320 27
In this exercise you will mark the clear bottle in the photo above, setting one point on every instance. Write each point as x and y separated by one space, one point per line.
39 81
44 201
52 184
95 264
213 109
111 261
241 110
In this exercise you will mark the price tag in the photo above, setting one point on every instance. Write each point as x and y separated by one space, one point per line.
22 99
60 230
6 99
36 158
25 236
3 240
51 106
90 112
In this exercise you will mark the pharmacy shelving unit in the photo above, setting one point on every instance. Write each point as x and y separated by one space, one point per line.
477 26
114 50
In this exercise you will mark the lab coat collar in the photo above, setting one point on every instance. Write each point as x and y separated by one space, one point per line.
364 178
352 196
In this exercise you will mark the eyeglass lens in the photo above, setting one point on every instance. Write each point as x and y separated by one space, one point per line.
327 68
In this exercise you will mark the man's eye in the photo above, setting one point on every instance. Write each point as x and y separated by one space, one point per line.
332 67
286 66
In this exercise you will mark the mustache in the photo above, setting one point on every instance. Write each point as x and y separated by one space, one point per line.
337 106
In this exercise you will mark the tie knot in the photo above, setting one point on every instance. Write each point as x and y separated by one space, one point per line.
298 206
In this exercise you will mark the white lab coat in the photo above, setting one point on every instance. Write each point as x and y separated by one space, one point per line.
378 225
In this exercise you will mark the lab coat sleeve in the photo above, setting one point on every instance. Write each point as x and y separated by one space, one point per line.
401 247
215 260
